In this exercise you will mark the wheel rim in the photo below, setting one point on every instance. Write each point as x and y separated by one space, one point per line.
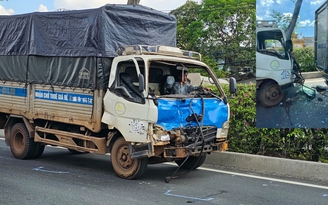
273 93
18 142
124 166
123 157
270 94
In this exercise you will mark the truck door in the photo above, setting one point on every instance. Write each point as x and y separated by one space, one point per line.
125 104
272 60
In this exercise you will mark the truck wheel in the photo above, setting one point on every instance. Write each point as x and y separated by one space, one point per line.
38 150
21 145
191 161
123 165
270 94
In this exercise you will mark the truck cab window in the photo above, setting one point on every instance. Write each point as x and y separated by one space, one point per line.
128 83
155 75
271 44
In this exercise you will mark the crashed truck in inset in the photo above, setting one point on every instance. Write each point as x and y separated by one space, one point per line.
276 69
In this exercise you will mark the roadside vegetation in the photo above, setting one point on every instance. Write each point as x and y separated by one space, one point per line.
305 58
223 31
244 137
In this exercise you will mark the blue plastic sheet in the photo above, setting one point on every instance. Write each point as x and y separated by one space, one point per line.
173 112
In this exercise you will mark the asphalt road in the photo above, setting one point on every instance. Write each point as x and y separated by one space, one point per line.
58 177
299 111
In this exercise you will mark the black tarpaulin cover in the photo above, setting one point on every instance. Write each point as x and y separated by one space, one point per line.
75 48
92 32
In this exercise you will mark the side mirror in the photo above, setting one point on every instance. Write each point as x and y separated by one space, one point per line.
141 83
289 45
210 79
233 85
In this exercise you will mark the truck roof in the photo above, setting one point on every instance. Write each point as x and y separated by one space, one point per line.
158 50
266 24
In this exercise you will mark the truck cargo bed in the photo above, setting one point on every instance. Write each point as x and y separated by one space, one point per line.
65 105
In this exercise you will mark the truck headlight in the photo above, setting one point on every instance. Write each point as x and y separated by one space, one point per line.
223 132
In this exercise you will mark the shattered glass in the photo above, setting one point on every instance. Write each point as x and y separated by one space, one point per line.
301 107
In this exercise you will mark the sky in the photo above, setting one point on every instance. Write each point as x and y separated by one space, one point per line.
306 17
263 8
12 7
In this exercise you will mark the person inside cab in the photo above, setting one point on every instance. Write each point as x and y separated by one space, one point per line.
183 86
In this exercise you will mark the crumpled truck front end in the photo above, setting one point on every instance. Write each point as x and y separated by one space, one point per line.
191 126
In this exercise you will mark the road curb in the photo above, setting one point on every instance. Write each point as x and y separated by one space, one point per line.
314 74
306 75
270 165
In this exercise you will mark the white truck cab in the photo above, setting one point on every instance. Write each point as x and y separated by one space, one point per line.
275 67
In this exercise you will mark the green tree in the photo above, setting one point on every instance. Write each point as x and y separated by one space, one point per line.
189 26
229 31
281 19
288 23
222 30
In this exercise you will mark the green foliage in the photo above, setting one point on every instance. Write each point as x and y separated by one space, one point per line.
281 19
305 58
228 25
243 134
244 137
189 28
221 30
212 64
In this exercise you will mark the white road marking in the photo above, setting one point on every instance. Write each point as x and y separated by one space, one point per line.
49 171
257 177
187 197
265 178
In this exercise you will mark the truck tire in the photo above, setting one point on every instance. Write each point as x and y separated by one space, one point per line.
192 162
21 145
38 150
123 165
270 94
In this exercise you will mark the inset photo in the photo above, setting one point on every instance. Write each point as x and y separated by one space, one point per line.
292 64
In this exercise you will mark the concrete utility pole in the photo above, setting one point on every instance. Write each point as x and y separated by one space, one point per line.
134 2
292 23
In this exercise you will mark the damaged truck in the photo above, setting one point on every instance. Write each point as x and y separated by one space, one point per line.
276 69
100 81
